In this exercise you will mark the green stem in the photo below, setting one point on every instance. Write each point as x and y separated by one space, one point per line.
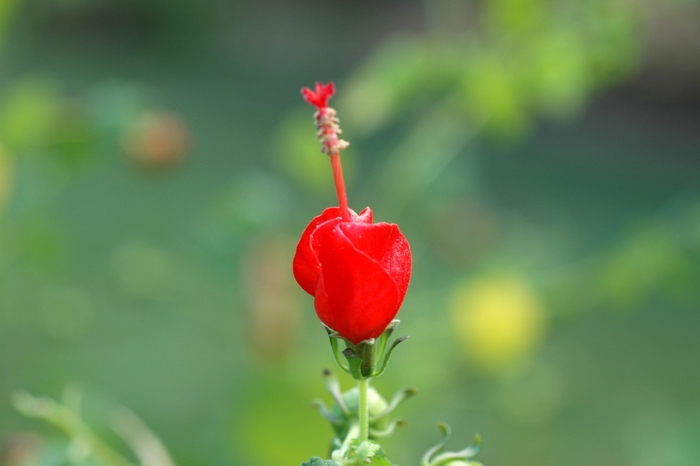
363 409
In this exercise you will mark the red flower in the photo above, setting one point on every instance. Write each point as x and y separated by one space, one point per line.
357 271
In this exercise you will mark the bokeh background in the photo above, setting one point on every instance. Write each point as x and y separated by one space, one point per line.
157 165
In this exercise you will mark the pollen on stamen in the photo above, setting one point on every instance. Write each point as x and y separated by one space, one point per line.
328 131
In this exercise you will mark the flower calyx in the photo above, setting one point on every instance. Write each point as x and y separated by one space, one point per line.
457 458
368 358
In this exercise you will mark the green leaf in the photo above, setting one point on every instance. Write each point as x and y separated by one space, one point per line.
368 452
316 461
380 459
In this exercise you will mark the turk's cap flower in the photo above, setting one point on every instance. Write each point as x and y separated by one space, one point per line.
357 271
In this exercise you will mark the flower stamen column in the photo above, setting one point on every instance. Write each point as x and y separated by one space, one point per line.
340 186
328 131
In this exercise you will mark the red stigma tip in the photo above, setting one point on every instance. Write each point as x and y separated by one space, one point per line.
320 98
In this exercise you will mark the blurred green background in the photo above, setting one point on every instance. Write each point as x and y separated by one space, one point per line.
157 165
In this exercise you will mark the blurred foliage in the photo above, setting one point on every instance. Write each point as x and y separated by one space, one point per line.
500 63
85 446
157 165
7 8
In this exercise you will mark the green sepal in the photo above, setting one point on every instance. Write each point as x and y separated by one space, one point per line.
445 432
467 453
316 461
388 430
448 457
333 337
333 387
400 397
384 337
354 363
385 361
321 406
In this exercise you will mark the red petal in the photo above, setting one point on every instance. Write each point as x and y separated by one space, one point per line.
384 243
365 216
306 265
355 296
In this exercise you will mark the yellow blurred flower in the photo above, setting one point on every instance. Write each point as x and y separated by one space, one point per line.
499 319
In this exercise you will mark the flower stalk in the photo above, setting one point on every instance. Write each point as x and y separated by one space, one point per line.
363 409
328 127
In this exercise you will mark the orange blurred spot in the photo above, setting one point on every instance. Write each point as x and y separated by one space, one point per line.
158 140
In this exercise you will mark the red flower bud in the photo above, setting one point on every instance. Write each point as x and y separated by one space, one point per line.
357 271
